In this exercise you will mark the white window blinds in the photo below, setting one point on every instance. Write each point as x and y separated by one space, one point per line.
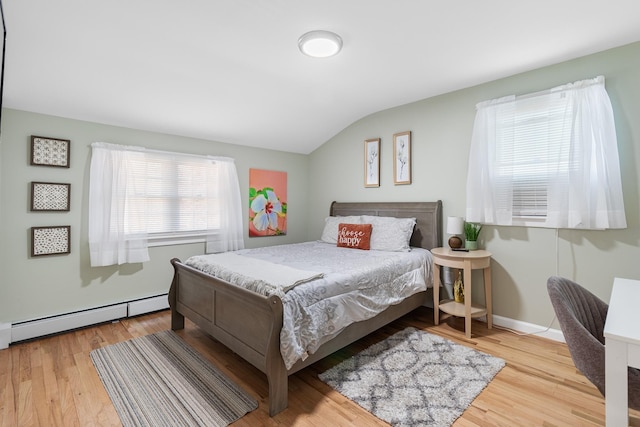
550 156
172 194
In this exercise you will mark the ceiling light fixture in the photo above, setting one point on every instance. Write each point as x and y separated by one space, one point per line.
320 44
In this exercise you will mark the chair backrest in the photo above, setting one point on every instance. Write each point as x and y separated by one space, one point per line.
582 316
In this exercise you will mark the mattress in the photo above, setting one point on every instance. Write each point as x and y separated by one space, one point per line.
352 285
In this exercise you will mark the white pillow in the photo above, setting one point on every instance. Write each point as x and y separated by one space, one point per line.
389 233
330 232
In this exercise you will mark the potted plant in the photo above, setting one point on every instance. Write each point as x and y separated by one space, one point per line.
471 232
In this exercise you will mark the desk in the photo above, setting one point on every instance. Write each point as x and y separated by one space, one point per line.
466 261
622 348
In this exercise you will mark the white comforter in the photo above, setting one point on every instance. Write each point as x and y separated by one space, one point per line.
356 285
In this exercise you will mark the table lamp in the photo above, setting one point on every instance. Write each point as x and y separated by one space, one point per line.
455 226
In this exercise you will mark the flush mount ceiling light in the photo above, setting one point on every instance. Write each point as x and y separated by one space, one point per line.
320 44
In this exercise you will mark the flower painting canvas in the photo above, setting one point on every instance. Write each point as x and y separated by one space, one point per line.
267 203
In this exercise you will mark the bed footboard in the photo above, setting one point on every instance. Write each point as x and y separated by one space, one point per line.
223 310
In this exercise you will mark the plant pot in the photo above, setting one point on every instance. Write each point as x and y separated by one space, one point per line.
472 245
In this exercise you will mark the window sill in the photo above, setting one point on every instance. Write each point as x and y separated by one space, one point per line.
528 222
154 241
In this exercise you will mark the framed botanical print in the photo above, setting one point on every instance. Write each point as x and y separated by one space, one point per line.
402 158
372 163
50 151
50 196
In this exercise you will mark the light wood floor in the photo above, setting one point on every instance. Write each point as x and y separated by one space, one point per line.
52 382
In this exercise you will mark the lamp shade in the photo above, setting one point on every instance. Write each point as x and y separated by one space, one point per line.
455 225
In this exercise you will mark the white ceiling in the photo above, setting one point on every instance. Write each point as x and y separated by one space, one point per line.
230 70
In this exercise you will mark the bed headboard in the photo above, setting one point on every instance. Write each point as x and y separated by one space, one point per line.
428 230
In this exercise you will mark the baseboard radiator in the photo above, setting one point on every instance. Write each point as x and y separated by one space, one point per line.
11 333
41 327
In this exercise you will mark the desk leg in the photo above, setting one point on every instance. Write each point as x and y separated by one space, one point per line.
616 387
487 296
467 298
436 293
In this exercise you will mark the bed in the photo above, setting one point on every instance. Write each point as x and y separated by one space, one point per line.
223 309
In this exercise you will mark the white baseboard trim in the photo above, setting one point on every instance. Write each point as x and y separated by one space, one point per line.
64 322
523 328
518 326
528 328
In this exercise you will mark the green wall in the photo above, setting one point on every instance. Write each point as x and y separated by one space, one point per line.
441 132
49 285
441 129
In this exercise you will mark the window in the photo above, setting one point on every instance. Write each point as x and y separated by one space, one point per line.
547 159
172 196
532 141
137 195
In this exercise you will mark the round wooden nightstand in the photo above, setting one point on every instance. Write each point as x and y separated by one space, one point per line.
466 261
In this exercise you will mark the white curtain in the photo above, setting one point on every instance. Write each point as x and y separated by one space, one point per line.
582 174
109 184
489 199
229 236
135 192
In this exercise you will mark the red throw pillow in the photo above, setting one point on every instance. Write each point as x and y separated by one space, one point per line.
356 236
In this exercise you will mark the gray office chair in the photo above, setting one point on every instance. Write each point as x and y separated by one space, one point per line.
582 316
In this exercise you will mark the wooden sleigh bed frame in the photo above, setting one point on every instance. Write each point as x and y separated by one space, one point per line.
224 310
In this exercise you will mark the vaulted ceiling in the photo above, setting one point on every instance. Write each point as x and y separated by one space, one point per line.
231 71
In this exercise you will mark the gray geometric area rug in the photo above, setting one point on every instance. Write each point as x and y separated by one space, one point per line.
414 378
159 380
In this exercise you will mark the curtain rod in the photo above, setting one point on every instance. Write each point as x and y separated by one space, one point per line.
568 86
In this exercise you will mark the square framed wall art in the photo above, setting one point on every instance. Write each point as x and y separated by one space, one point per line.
402 158
372 162
50 151
53 240
50 197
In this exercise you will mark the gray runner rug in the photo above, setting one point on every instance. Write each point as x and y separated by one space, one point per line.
159 380
414 378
